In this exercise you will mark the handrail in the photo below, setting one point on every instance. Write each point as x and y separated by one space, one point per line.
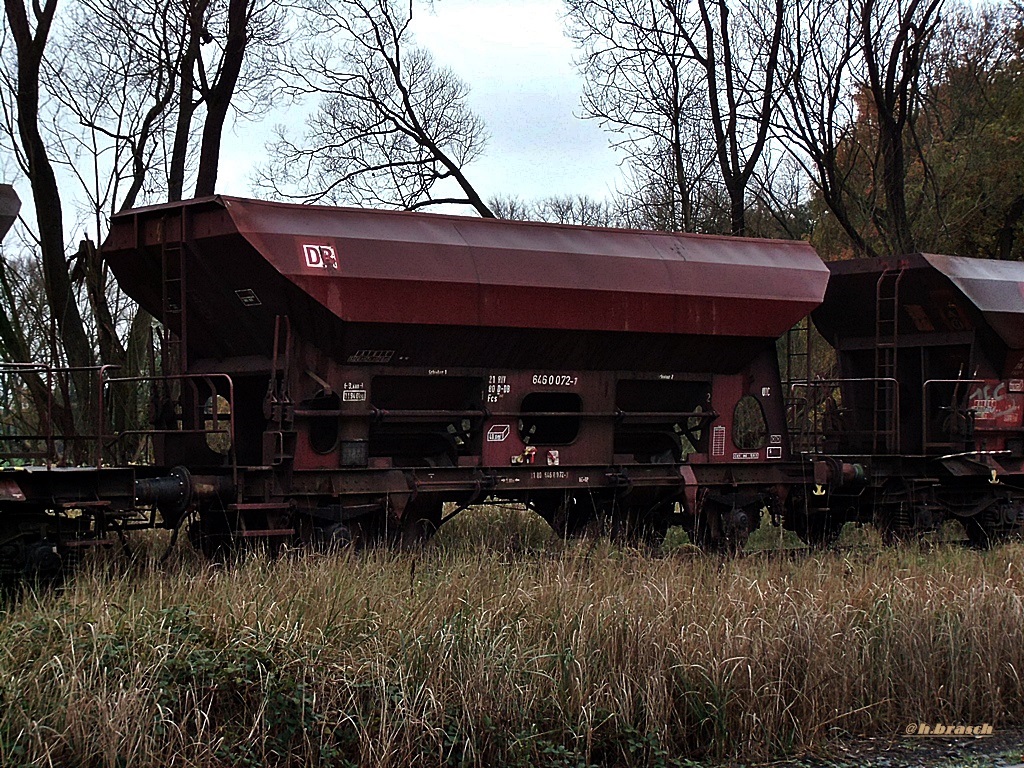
50 436
192 378
834 382
30 367
99 434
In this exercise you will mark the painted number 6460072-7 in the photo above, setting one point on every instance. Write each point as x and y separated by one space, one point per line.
555 380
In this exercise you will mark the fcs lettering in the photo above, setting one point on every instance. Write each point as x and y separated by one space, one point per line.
322 256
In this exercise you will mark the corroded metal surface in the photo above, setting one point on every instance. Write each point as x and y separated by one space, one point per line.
410 268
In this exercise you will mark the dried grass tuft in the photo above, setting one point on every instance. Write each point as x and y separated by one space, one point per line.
501 646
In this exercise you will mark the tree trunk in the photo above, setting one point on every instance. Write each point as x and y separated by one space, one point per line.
894 174
186 100
60 295
218 100
111 350
737 210
1006 234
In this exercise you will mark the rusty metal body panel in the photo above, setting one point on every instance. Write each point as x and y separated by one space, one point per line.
996 288
383 267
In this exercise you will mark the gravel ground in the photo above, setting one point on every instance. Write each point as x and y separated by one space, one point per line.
1003 749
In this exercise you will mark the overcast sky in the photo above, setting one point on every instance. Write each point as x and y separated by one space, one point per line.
519 66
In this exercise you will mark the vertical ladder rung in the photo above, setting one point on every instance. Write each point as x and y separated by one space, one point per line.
886 417
173 288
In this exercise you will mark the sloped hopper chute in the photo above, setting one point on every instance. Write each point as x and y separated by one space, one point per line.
439 290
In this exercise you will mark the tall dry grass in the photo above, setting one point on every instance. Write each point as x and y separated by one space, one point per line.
499 646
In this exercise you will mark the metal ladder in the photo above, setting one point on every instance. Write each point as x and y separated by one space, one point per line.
174 327
798 369
885 427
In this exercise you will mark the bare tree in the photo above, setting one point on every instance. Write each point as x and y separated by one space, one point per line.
247 22
112 86
216 35
133 78
25 335
781 204
651 196
853 70
641 86
560 209
30 36
818 112
90 97
654 65
894 40
740 60
513 208
112 81
391 127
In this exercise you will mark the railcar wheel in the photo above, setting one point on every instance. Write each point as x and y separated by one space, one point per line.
639 526
350 535
814 522
818 529
420 521
978 535
1000 522
723 529
892 535
333 537
220 533
210 533
571 515
33 559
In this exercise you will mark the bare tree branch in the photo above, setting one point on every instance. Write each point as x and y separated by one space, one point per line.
389 126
